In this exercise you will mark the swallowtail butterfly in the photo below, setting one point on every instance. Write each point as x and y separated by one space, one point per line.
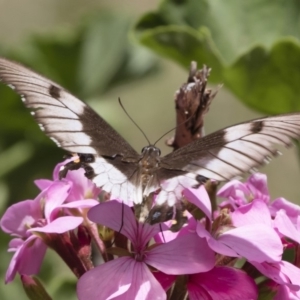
132 177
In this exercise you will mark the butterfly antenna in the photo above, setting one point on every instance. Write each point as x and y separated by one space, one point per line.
188 119
140 129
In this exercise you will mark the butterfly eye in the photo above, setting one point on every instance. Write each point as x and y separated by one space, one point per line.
144 149
159 152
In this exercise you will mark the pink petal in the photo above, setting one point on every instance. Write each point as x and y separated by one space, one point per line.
200 198
255 242
144 285
258 185
59 225
86 203
27 259
55 195
186 254
282 272
14 244
82 186
19 217
256 212
58 168
43 184
222 283
106 281
214 244
112 214
292 272
234 190
284 292
285 226
292 210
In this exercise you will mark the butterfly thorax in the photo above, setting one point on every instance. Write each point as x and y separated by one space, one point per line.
149 163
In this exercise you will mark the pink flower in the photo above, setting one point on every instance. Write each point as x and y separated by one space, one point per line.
263 243
29 222
238 193
253 212
250 235
130 273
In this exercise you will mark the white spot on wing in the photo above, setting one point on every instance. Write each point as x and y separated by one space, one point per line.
42 127
55 141
11 86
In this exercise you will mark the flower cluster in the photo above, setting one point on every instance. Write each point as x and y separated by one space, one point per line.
235 252
56 218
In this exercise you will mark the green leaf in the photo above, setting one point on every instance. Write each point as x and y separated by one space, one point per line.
268 80
251 46
183 43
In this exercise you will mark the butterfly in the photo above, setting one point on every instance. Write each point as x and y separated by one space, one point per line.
140 178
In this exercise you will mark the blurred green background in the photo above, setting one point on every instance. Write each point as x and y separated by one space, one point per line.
94 49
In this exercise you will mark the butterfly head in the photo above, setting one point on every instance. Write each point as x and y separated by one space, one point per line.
150 160
151 151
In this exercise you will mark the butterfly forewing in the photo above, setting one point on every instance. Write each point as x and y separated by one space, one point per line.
74 126
237 149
